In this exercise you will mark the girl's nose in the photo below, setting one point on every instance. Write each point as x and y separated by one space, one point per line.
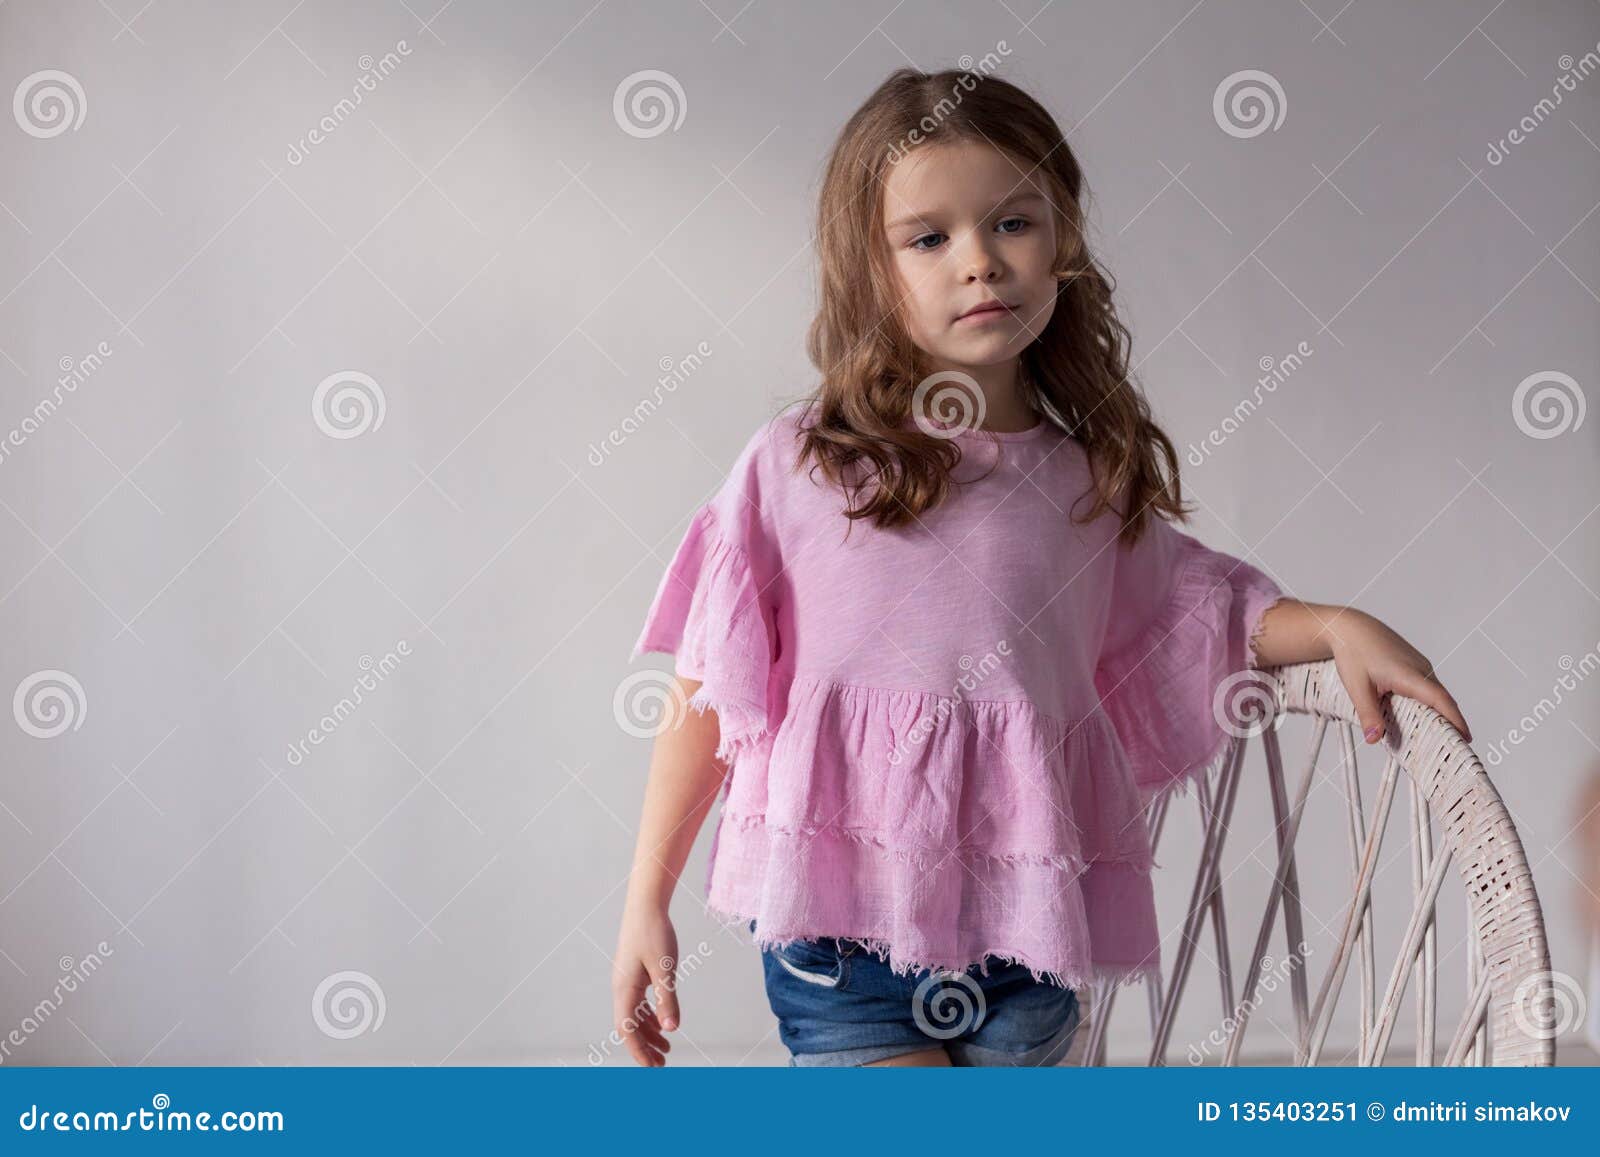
981 264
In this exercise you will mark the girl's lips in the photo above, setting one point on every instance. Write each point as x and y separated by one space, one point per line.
987 314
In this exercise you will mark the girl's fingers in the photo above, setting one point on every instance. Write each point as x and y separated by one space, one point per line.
650 1025
652 1037
634 1021
1428 690
664 980
647 1027
1364 698
646 1048
641 1052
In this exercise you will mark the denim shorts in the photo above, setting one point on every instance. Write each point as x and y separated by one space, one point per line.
838 1003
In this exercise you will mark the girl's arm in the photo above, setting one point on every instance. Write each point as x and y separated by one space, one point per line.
1371 659
685 776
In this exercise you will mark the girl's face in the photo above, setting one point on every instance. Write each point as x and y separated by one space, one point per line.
967 225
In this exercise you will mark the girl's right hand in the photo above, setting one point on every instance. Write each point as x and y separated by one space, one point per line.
647 954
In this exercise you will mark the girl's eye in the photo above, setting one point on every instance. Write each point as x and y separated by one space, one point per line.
1021 224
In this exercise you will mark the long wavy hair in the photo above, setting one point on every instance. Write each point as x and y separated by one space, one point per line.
858 428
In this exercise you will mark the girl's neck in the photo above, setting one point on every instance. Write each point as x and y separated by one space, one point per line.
1004 408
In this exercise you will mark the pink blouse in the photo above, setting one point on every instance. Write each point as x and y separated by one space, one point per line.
944 738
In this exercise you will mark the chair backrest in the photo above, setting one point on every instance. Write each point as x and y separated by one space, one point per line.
1507 1015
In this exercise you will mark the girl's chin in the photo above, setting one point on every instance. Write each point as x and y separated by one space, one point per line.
990 351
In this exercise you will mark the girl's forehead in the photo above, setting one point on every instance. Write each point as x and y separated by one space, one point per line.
957 178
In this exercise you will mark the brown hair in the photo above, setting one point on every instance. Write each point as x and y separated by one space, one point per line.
1075 375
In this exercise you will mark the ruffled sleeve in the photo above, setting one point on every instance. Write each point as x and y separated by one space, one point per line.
715 610
1183 620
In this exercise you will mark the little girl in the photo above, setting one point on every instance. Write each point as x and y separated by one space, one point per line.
944 657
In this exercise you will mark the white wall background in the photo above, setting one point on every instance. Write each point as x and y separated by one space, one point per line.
484 241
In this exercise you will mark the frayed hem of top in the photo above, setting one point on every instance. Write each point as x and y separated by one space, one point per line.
1099 977
1180 785
1257 629
730 743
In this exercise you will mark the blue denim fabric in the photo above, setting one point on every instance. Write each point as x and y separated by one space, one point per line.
839 1003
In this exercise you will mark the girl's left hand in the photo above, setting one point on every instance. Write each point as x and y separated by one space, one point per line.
1373 660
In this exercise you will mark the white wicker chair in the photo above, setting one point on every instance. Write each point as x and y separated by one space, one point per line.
1509 985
